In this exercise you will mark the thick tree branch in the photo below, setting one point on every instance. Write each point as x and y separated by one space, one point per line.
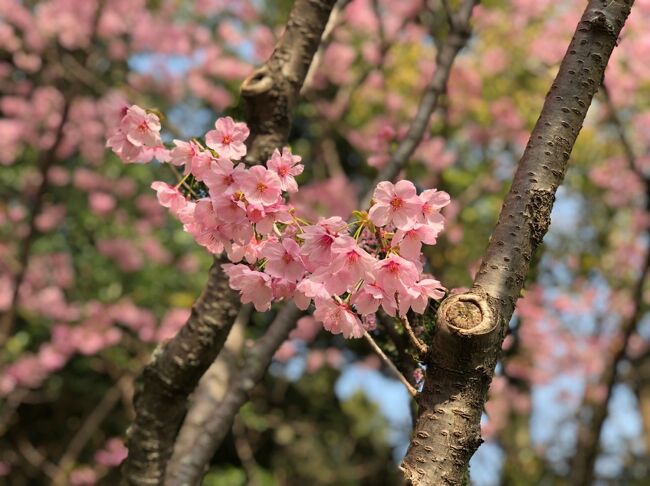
211 390
459 32
271 93
471 326
191 468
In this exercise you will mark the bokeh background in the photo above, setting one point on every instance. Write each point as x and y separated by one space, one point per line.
94 273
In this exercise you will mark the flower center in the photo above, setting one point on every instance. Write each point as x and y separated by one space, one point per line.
283 171
392 267
261 187
226 140
396 203
286 258
143 127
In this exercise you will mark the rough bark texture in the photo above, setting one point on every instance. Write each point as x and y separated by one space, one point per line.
191 467
172 374
271 93
211 389
471 326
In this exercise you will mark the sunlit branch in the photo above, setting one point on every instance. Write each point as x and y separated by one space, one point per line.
456 39
389 364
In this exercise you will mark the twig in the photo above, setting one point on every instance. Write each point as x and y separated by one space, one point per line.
622 135
588 437
415 341
244 451
87 429
456 39
387 361
333 22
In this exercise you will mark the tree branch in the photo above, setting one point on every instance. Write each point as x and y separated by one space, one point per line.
211 390
271 93
589 429
46 160
456 39
471 326
192 467
389 363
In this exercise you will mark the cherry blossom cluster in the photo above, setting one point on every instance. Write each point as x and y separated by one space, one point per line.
349 270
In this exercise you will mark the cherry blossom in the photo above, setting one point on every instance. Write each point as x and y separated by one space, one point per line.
255 287
395 203
260 185
286 166
348 270
228 138
338 318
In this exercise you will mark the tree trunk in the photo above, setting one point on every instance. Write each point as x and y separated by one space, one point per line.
471 326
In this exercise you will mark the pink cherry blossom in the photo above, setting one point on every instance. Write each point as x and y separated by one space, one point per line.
396 274
222 176
260 185
141 128
368 299
350 264
254 286
169 196
306 290
286 166
284 260
431 202
338 318
419 294
123 148
318 240
397 204
410 242
228 138
306 329
229 208
113 453
192 157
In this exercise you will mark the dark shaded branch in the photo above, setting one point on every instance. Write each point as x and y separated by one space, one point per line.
172 374
46 160
590 427
192 467
271 93
459 32
588 442
90 425
211 390
628 151
471 326
642 391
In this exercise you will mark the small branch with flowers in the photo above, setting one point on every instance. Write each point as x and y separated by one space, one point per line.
274 254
